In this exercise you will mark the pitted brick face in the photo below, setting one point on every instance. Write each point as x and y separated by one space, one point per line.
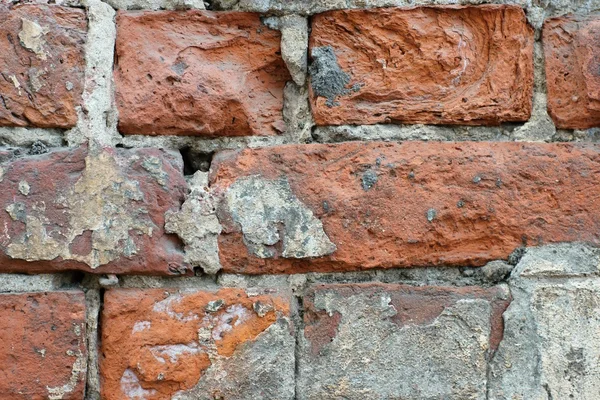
388 205
198 73
97 211
572 60
162 344
429 65
42 353
41 65
387 341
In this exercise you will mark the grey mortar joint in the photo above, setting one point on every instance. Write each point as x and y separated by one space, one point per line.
157 4
294 44
327 77
97 116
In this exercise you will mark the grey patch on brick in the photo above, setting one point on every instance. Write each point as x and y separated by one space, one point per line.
369 179
431 214
326 77
214 305
154 166
32 38
552 330
24 188
97 203
268 212
294 44
371 357
261 369
197 225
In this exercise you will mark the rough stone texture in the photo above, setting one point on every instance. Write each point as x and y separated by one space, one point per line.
213 74
17 283
571 48
97 121
376 341
156 4
197 225
550 348
368 205
43 354
228 344
435 65
97 211
42 65
308 7
294 44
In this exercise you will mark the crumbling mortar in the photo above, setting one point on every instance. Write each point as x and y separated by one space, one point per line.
298 320
93 300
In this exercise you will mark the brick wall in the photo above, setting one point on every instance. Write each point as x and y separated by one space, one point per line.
299 199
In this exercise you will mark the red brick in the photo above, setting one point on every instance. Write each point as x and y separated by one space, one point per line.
41 65
386 205
198 73
100 211
571 50
468 65
159 342
42 346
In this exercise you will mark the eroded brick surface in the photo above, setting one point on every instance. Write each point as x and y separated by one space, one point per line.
175 344
384 341
550 347
42 346
100 211
572 60
41 65
198 73
432 65
356 206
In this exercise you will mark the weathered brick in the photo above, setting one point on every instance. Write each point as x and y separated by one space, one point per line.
434 65
177 344
550 346
354 206
382 341
42 350
572 55
41 65
198 73
97 211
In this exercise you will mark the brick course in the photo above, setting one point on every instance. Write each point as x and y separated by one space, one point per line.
182 216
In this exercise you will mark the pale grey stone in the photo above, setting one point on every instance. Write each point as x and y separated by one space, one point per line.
371 356
552 327
156 4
